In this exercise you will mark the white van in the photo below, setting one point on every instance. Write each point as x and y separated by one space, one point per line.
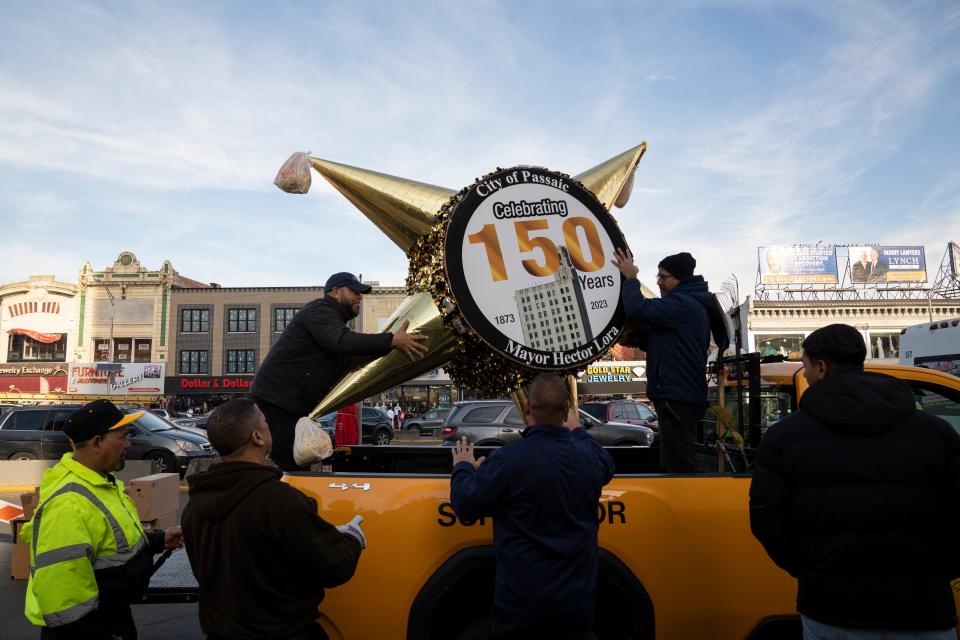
934 345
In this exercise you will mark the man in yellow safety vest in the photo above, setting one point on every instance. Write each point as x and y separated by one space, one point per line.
89 556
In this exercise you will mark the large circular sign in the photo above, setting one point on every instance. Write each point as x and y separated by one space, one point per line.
528 261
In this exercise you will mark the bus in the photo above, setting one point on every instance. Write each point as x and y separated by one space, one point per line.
934 345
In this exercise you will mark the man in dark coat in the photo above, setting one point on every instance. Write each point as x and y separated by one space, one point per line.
314 351
674 330
543 494
260 553
857 495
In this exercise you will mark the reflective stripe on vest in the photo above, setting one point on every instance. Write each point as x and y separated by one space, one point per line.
73 613
124 551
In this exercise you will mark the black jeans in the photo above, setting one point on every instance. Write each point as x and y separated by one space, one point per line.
678 432
283 426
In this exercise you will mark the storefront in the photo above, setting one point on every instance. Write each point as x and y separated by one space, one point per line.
192 392
432 390
624 378
37 320
24 378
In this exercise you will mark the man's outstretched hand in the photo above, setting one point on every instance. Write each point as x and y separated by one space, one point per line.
463 452
623 260
413 346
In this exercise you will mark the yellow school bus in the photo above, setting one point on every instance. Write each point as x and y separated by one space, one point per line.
677 559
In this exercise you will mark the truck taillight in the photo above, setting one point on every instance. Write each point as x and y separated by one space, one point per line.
449 431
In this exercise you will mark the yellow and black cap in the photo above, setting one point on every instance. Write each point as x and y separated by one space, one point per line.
95 419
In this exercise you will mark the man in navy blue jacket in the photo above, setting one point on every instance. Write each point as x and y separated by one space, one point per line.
543 494
674 330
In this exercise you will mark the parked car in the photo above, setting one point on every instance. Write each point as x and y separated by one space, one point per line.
35 433
623 411
498 422
375 427
198 422
430 422
163 413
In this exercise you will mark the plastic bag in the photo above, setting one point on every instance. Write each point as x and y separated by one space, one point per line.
310 443
294 175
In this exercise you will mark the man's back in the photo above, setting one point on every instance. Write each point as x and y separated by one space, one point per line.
871 488
261 554
543 494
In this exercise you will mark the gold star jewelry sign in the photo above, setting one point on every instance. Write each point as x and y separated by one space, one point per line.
509 277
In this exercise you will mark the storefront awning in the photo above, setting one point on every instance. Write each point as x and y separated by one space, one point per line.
45 338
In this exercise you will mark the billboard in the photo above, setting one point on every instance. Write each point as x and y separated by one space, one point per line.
887 264
799 264
115 379
954 251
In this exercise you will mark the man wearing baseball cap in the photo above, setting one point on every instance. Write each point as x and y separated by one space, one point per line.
314 351
89 556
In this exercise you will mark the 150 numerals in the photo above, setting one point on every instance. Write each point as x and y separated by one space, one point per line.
487 236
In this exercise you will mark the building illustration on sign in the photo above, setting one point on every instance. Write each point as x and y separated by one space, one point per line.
553 315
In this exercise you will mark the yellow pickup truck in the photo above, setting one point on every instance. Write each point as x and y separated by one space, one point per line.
677 559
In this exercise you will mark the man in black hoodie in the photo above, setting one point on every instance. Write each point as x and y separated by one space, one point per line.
261 554
857 495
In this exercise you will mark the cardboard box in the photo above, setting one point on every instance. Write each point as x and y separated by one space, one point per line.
20 562
161 522
29 503
155 496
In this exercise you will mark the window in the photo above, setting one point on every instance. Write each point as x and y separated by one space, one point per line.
483 414
56 419
241 320
142 348
193 362
645 413
21 348
513 416
241 361
101 349
937 403
784 344
30 420
194 320
884 345
282 317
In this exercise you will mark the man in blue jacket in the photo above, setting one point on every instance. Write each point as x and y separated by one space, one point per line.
543 494
674 330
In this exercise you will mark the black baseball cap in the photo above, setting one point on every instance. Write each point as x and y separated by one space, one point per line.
344 279
95 419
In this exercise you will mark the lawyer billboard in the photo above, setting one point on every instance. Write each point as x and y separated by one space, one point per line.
887 264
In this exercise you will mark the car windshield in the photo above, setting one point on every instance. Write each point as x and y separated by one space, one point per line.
330 416
152 422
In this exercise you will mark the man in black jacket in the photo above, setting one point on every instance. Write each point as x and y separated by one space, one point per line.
542 494
674 330
315 350
857 495
260 553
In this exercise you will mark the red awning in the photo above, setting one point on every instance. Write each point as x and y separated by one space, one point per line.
45 338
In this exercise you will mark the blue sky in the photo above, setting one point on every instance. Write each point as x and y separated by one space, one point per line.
159 127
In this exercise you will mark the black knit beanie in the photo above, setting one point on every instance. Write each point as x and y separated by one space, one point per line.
679 265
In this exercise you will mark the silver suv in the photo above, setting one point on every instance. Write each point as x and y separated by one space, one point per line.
498 422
